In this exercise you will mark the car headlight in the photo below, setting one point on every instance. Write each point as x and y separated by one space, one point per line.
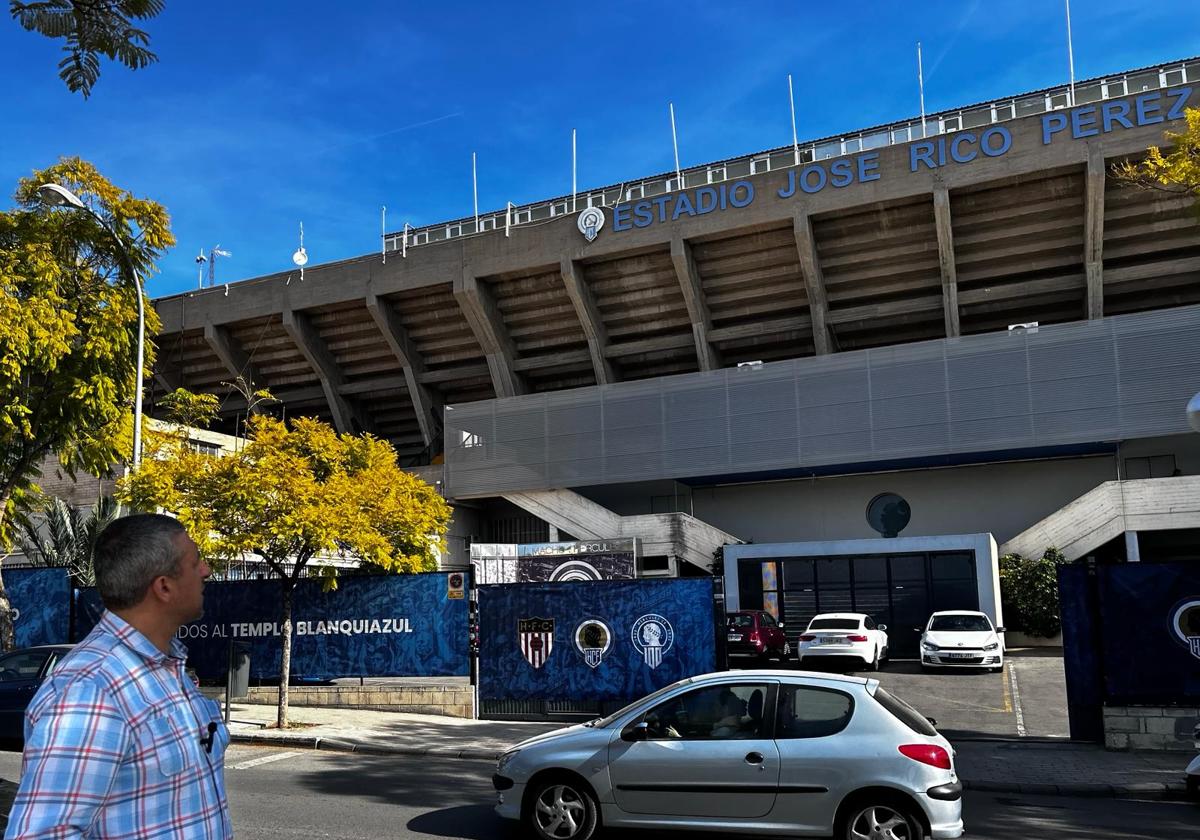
929 646
505 759
992 646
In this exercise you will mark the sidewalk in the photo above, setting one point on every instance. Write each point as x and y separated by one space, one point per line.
1004 766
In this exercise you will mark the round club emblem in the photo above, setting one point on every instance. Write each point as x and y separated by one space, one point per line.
590 221
593 638
653 637
1185 624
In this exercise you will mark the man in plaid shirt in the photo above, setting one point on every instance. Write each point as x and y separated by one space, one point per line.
119 743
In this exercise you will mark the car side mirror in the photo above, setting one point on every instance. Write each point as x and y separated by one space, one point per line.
781 625
882 627
1000 630
932 722
639 731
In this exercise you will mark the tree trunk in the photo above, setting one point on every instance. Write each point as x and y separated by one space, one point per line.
6 621
285 664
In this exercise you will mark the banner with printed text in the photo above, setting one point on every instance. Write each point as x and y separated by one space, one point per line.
372 626
593 640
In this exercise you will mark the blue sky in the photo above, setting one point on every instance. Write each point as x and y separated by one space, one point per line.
261 115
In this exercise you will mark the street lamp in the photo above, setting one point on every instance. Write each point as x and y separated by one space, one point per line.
55 195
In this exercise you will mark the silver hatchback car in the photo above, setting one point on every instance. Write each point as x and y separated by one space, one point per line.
758 752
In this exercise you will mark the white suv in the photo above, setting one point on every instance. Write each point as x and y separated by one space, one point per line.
962 639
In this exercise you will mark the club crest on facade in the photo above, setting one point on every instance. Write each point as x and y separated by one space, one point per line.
652 638
536 637
1185 624
593 638
590 221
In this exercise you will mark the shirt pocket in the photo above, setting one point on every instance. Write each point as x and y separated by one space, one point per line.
167 743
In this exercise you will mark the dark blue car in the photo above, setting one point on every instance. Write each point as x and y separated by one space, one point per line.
21 672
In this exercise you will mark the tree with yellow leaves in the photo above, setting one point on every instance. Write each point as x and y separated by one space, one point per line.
1177 170
68 334
295 495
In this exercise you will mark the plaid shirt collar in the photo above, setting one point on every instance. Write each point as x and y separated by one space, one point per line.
133 639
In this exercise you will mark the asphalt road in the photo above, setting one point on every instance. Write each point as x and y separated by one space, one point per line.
281 794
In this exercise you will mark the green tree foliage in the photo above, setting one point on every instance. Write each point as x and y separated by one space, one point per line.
90 29
295 495
1029 592
1176 171
68 334
65 537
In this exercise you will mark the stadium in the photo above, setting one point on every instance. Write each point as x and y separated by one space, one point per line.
967 311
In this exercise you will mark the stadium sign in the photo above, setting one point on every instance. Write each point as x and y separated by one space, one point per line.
957 148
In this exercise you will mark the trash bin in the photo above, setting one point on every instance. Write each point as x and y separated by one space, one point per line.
238 681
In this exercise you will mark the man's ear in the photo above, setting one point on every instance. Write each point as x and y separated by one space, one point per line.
161 589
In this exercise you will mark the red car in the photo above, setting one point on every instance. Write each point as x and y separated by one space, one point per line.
756 634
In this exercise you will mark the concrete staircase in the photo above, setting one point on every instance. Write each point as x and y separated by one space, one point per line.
1151 504
679 536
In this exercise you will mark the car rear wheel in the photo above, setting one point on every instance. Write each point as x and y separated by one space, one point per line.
871 820
562 810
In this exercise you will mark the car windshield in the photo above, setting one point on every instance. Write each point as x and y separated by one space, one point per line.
741 621
960 624
834 624
608 721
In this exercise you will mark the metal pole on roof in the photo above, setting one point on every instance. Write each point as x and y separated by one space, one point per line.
1070 56
795 141
383 233
675 143
574 179
475 190
921 86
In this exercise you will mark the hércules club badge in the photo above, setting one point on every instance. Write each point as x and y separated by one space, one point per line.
536 638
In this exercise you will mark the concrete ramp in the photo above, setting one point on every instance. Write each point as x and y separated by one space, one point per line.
1151 504
679 536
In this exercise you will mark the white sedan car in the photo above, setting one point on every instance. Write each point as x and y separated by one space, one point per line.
852 635
961 639
750 752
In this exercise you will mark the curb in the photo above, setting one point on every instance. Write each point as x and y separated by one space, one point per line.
1144 790
363 747
1140 790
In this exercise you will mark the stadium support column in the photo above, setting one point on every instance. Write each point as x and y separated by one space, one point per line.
693 296
232 356
589 319
814 283
300 327
945 238
1093 232
487 325
426 404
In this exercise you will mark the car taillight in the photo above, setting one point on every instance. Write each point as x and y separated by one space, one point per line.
930 754
807 637
857 638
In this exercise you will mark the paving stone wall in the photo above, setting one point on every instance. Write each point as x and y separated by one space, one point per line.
1150 727
450 700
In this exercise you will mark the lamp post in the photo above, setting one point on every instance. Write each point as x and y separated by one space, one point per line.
54 195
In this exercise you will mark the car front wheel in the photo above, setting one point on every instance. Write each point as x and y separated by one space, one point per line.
562 810
880 821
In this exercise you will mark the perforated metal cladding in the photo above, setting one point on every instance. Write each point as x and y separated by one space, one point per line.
1122 377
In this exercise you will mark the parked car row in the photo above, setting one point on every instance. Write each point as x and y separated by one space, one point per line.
950 639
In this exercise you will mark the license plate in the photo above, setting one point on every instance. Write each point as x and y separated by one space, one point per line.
960 656
735 637
831 640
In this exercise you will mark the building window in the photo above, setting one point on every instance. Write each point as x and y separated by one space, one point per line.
203 447
1154 466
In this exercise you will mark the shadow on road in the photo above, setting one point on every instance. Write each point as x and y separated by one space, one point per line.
470 822
457 782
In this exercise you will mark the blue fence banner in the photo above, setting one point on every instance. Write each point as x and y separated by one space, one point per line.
42 601
371 626
593 640
1150 632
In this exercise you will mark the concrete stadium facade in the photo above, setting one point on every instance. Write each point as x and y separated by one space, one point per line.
755 353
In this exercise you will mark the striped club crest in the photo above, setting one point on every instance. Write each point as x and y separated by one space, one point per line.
536 637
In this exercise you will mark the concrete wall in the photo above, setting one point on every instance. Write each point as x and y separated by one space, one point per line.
450 700
1150 728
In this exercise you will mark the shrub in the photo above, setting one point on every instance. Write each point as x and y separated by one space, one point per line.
1029 592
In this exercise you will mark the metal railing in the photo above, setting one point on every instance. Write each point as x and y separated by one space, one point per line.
784 157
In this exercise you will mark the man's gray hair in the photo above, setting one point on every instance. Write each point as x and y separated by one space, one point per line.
131 552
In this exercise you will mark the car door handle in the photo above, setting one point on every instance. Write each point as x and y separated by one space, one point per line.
754 758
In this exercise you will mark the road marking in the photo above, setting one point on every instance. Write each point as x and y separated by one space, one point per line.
1016 699
1006 694
263 759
